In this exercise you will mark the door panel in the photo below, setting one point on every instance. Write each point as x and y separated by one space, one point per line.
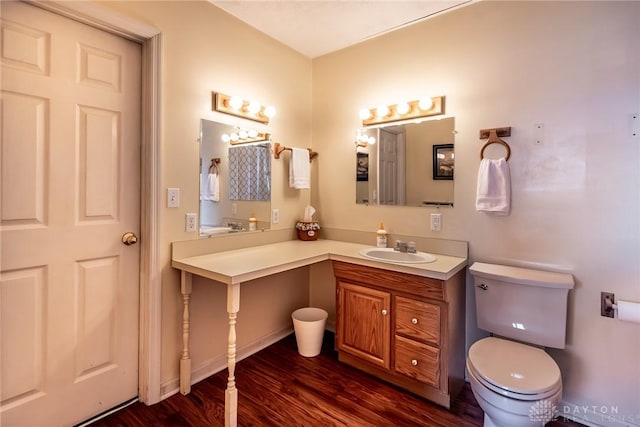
70 189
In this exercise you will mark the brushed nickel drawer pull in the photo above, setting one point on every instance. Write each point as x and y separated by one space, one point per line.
414 362
384 312
414 321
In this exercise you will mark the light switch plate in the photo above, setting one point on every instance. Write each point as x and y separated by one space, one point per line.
173 197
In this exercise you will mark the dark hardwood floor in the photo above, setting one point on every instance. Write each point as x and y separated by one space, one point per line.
278 387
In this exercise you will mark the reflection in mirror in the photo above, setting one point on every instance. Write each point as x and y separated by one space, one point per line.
235 181
399 168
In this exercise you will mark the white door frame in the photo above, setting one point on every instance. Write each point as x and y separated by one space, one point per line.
92 14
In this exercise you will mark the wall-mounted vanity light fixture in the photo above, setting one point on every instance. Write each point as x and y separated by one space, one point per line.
239 107
244 136
362 139
403 111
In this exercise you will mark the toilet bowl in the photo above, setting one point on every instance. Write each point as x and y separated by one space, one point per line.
516 385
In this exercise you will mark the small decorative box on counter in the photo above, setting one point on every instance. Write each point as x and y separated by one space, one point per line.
308 230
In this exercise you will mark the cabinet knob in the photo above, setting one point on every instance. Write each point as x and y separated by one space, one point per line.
384 312
414 321
414 362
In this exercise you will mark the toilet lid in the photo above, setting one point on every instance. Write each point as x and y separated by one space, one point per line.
514 369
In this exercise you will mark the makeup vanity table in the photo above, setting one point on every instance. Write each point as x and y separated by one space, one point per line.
234 267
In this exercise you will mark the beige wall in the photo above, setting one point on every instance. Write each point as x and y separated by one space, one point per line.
205 50
574 67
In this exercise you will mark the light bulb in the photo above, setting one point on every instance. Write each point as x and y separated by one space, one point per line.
425 103
234 136
269 111
226 137
243 134
254 107
371 140
365 114
235 102
402 108
253 133
363 138
382 111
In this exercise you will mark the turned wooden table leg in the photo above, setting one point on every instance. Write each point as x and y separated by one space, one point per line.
231 394
185 361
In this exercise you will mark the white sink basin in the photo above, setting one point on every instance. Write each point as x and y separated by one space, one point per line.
389 255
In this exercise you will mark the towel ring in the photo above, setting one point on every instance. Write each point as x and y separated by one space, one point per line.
493 139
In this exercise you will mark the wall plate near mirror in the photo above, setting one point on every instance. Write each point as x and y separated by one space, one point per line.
398 168
235 179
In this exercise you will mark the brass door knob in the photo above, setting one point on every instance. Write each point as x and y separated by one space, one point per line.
129 238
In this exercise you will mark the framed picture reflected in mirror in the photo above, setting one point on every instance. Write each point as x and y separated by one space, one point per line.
362 167
443 161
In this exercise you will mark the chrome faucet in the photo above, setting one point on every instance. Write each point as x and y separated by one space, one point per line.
235 226
400 246
405 247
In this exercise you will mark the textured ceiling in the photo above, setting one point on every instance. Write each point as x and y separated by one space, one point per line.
315 28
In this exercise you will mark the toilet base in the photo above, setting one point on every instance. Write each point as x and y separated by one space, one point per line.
500 411
488 422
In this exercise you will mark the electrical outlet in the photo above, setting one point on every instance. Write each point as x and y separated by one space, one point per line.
190 222
173 197
234 208
436 222
275 216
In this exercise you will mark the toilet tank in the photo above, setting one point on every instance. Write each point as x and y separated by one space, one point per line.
522 304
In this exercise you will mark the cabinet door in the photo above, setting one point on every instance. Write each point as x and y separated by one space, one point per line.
364 323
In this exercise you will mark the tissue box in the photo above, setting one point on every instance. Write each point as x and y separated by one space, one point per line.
308 230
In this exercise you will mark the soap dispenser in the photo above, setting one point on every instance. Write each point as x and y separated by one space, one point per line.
381 237
253 223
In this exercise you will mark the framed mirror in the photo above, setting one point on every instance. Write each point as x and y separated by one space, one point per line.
235 179
409 164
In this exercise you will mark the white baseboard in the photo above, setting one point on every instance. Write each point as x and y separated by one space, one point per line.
215 365
598 416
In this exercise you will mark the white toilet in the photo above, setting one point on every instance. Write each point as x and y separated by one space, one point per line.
518 384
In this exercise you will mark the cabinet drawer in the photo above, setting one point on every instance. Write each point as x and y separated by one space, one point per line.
418 361
417 320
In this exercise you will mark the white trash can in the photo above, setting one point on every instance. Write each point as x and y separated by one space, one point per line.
308 324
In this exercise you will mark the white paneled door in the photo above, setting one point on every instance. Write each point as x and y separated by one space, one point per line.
388 170
69 301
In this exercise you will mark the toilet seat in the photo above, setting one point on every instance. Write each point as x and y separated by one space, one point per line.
514 370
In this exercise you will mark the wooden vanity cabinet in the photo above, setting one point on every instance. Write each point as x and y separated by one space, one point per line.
405 329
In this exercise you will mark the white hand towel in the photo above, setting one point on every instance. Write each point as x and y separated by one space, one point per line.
299 170
211 188
494 187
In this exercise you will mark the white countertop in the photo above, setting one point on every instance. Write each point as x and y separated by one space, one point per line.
241 265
